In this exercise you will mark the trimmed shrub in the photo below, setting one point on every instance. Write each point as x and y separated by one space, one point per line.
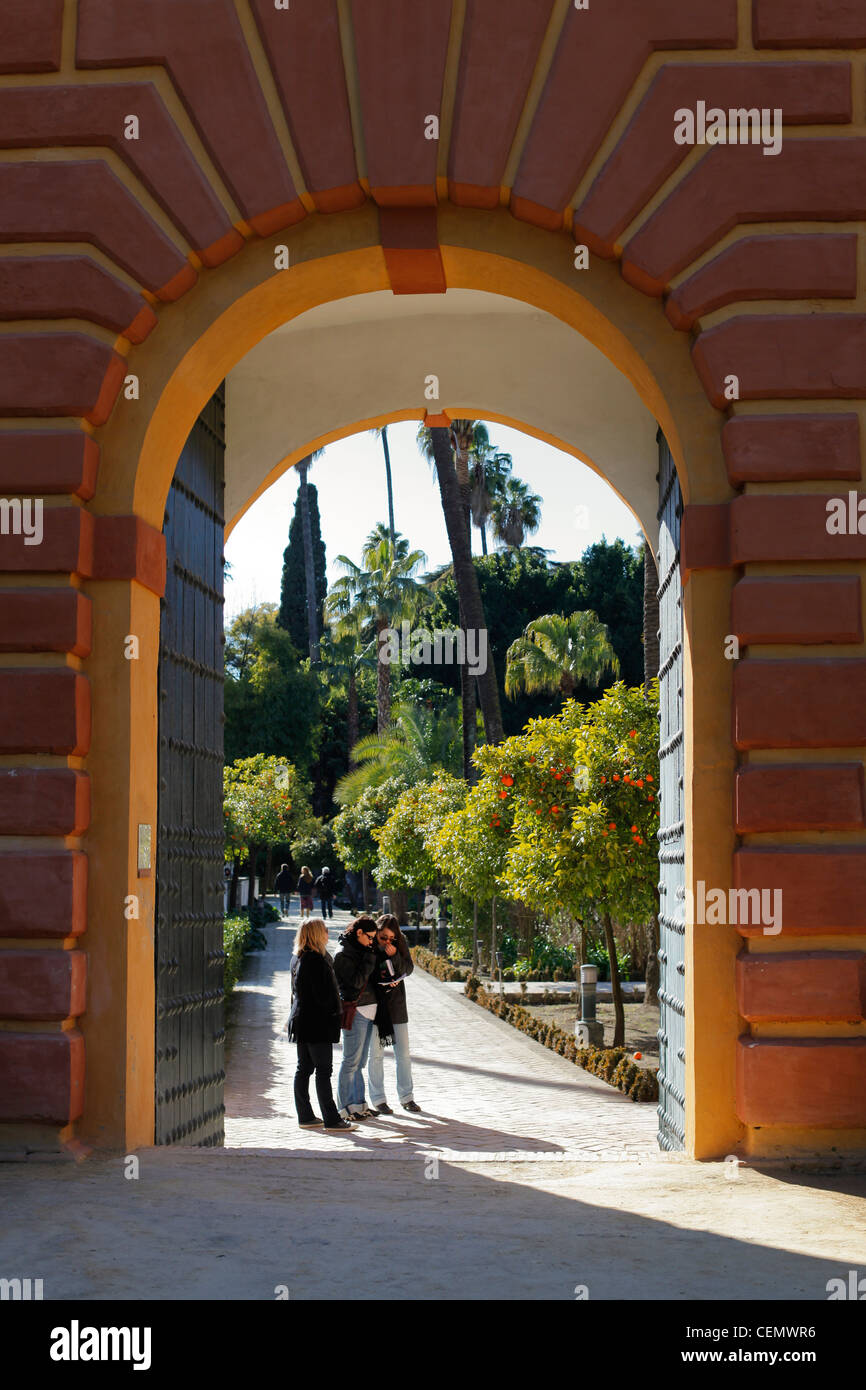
235 931
439 966
613 1064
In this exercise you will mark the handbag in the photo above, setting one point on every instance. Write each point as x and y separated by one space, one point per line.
347 1014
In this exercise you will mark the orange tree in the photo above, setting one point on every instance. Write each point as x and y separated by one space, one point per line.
354 828
265 802
584 788
406 840
470 847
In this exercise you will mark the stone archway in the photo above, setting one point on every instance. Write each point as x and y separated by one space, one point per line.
164 267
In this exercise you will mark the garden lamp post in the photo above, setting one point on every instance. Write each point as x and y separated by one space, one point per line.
588 1031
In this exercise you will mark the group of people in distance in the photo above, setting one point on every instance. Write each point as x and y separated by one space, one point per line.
361 993
323 886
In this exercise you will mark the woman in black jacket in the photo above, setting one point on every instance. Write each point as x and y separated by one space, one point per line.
354 965
314 1024
394 965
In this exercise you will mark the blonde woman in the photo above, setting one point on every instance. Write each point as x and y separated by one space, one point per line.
314 1024
305 888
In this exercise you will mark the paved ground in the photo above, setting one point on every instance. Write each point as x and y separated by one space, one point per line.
296 1213
484 1087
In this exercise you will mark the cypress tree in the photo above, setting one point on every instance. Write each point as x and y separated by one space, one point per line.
293 594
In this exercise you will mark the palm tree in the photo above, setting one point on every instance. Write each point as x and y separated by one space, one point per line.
309 563
344 656
436 443
650 619
488 474
417 746
555 653
382 433
379 593
516 512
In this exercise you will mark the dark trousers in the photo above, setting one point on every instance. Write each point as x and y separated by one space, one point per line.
318 1058
327 907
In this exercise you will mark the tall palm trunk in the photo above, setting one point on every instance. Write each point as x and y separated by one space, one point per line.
387 452
383 683
650 618
309 563
465 578
483 529
352 725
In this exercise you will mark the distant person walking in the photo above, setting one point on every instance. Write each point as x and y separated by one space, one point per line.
326 888
354 965
283 884
305 888
314 1024
394 964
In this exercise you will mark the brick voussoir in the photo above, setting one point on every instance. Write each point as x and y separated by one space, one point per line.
41 1076
59 374
823 890
803 24
819 610
815 1082
45 620
43 893
799 704
37 985
799 796
781 448
60 287
45 710
799 986
785 356
66 547
44 801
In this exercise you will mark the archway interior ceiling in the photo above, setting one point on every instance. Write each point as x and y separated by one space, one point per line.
152 155
369 357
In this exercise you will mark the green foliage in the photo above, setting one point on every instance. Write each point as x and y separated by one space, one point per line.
271 697
518 585
439 966
293 590
557 653
407 838
235 931
614 1064
353 829
265 802
416 746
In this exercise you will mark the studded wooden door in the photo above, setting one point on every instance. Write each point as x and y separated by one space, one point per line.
672 1019
190 1032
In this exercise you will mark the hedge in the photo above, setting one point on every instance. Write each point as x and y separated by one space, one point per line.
613 1064
235 931
439 966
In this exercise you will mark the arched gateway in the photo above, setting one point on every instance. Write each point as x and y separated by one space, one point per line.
156 157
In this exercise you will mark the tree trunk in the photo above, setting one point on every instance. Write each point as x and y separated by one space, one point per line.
650 618
364 888
309 564
475 937
653 967
619 1014
254 852
465 577
493 939
391 526
352 716
233 885
268 863
483 529
383 684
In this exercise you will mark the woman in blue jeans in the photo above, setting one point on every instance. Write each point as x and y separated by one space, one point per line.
354 965
394 964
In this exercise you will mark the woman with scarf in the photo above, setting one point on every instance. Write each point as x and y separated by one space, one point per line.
356 964
395 963
314 1024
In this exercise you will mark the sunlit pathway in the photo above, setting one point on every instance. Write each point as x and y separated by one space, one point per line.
483 1086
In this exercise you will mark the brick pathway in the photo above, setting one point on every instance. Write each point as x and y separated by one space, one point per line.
484 1087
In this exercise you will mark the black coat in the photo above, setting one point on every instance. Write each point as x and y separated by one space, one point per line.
324 886
284 881
354 965
315 1013
402 964
305 887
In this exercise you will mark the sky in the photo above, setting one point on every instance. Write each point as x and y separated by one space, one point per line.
578 508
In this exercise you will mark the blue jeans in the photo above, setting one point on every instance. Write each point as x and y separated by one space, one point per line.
285 902
376 1070
356 1045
